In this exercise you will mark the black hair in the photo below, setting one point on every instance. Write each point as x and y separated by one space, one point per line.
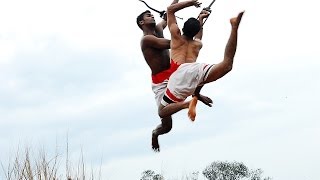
191 27
140 17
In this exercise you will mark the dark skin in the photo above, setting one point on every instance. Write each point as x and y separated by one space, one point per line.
180 50
155 49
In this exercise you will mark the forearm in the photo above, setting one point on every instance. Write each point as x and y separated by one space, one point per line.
199 34
178 6
174 2
197 91
203 15
163 23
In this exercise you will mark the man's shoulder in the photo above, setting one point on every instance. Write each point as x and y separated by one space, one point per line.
197 42
147 39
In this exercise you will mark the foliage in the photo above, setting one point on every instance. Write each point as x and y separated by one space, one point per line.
257 175
226 171
151 175
232 171
217 170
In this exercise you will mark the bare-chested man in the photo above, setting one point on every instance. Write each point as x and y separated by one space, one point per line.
155 49
184 52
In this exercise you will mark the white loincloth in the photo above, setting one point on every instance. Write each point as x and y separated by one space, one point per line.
158 90
160 81
184 81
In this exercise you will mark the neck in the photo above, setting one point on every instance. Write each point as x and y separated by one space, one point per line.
149 31
187 38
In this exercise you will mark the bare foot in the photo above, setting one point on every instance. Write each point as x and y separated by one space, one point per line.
155 143
236 20
192 108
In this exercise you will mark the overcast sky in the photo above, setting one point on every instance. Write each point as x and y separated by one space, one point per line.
73 69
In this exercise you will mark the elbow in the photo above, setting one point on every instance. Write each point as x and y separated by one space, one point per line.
228 69
170 9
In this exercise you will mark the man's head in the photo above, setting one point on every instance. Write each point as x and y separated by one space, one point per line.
145 18
191 27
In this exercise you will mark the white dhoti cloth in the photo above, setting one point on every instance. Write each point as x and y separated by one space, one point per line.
159 90
184 81
160 82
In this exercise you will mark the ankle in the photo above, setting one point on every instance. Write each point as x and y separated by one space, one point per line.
186 104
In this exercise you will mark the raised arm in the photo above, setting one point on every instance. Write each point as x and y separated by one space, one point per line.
163 24
171 18
203 14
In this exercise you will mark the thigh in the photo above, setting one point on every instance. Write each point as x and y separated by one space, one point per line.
217 72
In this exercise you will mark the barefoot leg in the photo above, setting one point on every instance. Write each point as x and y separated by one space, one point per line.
236 20
155 143
163 128
222 68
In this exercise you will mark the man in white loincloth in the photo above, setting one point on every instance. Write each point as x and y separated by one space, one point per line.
184 52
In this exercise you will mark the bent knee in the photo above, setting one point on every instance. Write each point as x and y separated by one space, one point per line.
161 112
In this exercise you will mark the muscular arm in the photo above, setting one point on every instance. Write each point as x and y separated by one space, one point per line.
163 23
152 41
203 14
171 18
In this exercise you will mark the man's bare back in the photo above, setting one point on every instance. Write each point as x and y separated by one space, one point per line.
187 51
185 47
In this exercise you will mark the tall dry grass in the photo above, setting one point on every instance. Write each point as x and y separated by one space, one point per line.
26 165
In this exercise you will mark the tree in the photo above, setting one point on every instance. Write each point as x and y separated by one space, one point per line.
256 175
231 171
218 170
151 175
225 171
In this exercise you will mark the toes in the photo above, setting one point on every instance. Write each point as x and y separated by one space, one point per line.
156 149
155 144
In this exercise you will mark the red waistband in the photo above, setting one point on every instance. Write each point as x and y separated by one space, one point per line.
163 75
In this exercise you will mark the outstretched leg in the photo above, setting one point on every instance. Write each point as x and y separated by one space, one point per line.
222 68
163 128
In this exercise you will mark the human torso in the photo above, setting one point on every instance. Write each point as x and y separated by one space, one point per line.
157 59
185 50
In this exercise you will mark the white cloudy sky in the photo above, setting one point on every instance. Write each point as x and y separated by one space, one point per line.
72 69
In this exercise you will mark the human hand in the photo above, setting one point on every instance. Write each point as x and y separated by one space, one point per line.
205 100
196 3
204 14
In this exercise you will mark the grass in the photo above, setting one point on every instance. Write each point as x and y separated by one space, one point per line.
27 165
40 166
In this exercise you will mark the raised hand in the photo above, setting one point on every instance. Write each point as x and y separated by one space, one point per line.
196 3
206 100
204 14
